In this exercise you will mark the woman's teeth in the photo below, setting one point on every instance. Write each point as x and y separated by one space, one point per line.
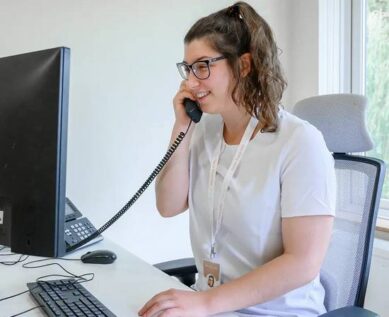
201 94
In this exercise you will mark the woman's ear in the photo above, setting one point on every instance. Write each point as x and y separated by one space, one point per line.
245 64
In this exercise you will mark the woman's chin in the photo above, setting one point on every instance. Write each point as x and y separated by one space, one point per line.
208 107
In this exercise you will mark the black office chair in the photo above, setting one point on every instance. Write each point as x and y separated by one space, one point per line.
345 270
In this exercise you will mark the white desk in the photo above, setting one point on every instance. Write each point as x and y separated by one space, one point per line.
123 286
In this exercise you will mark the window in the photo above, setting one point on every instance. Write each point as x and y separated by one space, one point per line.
377 85
354 58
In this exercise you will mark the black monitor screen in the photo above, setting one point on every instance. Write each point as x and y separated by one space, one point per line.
33 136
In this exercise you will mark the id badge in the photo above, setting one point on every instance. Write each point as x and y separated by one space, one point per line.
211 272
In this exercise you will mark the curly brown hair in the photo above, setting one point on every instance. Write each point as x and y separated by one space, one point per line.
237 30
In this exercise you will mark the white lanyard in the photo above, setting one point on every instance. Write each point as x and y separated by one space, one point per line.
217 212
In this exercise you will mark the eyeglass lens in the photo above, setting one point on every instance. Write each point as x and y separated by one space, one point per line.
200 70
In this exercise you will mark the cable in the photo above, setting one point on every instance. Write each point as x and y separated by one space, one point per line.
70 274
78 278
26 311
8 297
140 191
76 281
25 265
21 259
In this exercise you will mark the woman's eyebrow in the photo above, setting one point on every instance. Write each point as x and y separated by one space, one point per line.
198 59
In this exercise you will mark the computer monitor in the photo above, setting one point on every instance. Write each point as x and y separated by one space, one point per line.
34 90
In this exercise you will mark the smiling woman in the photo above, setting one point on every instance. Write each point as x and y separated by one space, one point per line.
251 175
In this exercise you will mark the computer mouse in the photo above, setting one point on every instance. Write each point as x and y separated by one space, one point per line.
99 257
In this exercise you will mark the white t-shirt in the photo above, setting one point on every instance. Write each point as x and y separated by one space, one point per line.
283 174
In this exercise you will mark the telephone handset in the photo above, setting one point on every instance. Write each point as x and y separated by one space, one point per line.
193 110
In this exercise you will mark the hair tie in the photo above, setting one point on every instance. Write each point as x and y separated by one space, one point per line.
234 12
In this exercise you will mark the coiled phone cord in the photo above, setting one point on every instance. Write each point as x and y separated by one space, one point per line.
140 191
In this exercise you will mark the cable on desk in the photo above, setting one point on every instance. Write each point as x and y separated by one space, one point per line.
26 311
12 296
21 259
80 278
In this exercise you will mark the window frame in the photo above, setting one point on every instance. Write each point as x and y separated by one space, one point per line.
342 58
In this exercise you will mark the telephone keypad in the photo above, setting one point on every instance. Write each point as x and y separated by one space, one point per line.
77 230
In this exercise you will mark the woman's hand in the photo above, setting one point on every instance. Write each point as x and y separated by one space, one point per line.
178 103
176 303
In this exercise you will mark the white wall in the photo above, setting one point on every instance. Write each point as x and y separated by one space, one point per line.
123 78
303 50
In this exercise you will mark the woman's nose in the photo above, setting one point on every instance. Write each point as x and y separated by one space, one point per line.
192 81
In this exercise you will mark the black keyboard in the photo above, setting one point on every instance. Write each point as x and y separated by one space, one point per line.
67 298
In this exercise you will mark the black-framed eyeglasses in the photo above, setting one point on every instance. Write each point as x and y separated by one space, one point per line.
200 68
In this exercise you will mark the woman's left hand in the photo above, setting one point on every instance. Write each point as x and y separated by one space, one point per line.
176 303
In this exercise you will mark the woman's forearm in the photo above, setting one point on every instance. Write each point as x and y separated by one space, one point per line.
305 241
271 280
172 184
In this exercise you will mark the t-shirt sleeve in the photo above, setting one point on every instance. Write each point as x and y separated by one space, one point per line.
308 180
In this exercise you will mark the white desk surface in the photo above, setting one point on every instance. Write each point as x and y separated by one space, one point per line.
123 286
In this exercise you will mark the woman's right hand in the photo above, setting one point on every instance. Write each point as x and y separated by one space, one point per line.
182 119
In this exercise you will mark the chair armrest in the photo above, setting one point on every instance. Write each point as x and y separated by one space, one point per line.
178 267
350 311
184 269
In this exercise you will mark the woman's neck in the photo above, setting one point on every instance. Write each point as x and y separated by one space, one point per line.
235 123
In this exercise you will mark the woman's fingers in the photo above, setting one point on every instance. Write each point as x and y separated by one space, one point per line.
157 303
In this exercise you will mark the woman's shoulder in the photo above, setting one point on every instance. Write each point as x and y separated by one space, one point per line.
293 127
300 135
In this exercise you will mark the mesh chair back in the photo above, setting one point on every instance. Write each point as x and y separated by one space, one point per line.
341 119
346 267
